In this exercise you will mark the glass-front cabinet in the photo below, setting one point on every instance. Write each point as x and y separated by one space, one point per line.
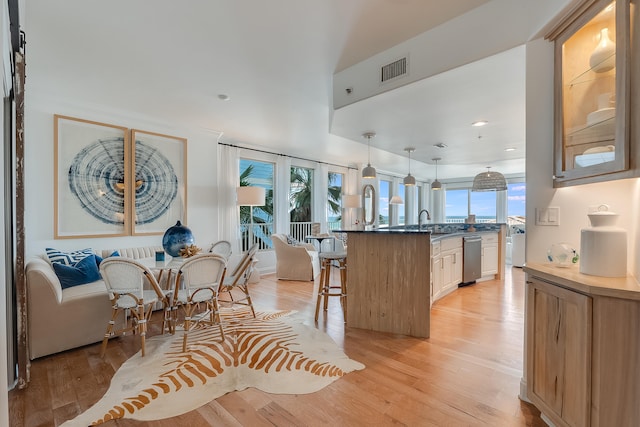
592 93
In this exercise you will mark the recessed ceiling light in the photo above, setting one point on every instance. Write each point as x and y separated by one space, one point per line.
479 123
510 149
440 145
224 97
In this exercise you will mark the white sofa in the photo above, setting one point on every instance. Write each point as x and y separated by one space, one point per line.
60 319
295 262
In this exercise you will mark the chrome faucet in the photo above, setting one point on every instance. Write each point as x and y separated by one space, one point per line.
420 216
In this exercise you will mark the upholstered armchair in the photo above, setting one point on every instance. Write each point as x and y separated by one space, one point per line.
295 261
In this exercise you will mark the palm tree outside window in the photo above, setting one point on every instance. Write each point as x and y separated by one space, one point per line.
260 174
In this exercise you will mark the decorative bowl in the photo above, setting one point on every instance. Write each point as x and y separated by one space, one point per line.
562 255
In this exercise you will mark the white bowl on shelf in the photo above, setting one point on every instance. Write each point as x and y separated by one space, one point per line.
600 115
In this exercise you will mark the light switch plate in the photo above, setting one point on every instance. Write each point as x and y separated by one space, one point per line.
548 216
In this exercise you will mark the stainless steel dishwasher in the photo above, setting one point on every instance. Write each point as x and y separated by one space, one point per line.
472 259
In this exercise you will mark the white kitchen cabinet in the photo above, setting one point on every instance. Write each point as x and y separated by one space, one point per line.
489 254
447 266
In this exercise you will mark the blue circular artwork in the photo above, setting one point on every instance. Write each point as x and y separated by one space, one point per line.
97 179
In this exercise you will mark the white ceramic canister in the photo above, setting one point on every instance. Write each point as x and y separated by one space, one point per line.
603 246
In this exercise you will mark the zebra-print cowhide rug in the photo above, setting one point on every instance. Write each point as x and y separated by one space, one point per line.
273 353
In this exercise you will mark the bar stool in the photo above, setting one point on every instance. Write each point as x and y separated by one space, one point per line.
326 289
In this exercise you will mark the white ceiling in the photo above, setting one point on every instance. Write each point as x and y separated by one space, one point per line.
170 60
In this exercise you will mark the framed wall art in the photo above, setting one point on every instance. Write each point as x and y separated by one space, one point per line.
91 166
159 180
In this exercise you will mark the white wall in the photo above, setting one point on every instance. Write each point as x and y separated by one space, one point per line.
201 175
574 202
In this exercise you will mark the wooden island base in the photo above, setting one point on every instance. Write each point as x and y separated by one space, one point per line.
388 281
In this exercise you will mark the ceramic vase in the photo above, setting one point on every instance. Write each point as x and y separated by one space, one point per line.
603 58
177 238
603 246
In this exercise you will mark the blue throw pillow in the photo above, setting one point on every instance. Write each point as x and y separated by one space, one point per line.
67 258
85 271
99 259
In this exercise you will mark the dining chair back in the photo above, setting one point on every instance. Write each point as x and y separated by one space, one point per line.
222 248
239 279
125 279
196 291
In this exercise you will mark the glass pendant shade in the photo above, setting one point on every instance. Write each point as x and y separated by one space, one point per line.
369 171
489 181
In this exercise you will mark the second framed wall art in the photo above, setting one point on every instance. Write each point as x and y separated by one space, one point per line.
111 181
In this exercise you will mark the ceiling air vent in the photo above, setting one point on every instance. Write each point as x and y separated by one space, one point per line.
394 70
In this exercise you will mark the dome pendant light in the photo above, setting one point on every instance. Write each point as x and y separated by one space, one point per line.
409 179
369 171
436 185
489 181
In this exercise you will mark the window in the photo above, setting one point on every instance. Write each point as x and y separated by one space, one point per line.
457 205
300 202
257 220
334 201
516 198
383 199
460 203
483 205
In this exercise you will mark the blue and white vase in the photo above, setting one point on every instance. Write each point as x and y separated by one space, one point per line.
177 238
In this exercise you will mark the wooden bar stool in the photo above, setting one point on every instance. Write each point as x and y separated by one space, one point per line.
326 289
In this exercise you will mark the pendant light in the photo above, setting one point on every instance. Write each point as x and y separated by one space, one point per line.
369 171
409 180
436 185
489 181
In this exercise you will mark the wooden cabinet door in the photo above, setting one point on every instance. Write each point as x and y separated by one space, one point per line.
559 334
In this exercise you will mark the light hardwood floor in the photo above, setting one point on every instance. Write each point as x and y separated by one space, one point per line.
466 374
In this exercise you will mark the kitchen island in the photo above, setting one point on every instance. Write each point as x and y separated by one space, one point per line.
390 279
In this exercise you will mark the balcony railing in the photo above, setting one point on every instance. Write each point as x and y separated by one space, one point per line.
262 233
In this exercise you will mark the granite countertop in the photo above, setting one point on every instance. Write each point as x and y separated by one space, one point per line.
434 235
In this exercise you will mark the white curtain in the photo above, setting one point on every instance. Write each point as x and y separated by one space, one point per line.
320 190
281 196
228 181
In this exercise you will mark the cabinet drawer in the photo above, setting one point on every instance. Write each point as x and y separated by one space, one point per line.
450 243
435 248
489 238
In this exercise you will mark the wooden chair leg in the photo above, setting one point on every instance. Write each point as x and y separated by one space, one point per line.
327 285
187 325
343 286
142 327
109 331
216 315
320 288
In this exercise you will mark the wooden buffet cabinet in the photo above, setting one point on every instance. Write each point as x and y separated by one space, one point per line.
582 348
